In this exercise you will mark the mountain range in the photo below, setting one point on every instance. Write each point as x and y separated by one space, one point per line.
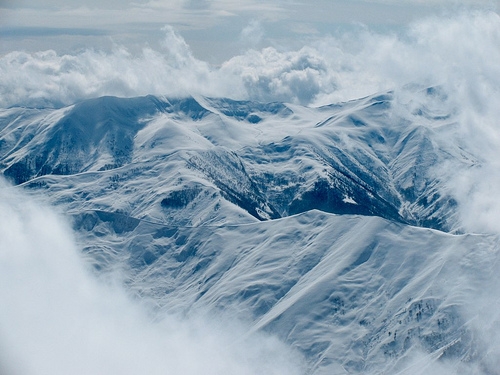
332 228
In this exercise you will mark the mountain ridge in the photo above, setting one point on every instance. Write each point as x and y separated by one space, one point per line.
345 163
310 278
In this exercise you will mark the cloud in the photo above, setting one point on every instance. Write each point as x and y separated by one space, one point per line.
463 56
197 4
57 318
48 31
434 2
435 51
252 33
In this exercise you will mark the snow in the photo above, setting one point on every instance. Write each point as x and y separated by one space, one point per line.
348 199
331 228
335 287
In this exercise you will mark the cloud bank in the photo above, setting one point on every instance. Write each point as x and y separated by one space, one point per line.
56 318
460 51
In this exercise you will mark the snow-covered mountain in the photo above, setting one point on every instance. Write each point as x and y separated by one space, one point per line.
331 227
236 161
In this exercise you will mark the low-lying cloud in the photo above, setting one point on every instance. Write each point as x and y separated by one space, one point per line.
57 318
460 51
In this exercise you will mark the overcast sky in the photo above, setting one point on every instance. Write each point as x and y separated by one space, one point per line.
215 30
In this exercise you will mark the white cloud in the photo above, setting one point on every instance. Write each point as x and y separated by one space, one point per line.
252 33
57 318
463 55
434 2
191 14
437 51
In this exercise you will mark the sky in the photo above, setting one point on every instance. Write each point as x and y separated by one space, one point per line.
215 30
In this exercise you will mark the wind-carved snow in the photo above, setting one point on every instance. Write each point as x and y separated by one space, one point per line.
350 292
309 223
348 199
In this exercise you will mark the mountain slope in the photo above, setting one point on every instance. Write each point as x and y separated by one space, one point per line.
356 293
